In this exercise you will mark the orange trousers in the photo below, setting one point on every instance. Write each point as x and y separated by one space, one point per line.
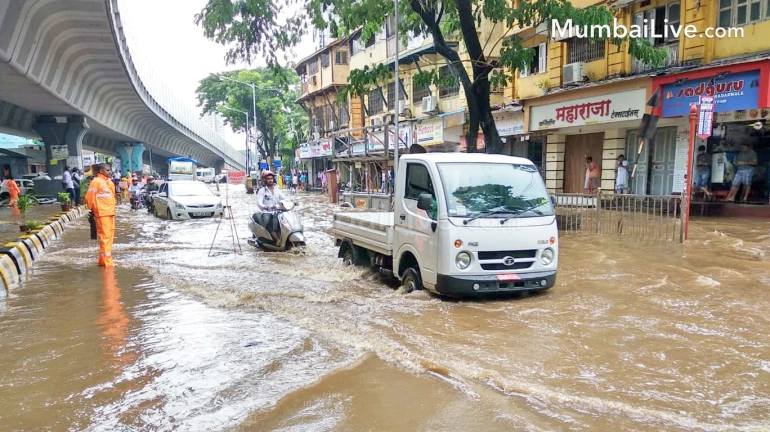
105 231
14 198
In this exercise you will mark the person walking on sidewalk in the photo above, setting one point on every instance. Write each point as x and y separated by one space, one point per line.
100 199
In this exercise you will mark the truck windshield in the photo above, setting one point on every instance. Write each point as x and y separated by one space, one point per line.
502 190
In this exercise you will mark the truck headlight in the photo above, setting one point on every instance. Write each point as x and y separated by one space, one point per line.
463 260
547 256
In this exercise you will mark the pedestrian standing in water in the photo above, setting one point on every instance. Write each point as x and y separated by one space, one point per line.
621 176
592 175
100 199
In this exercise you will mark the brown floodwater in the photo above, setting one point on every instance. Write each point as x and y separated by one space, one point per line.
632 337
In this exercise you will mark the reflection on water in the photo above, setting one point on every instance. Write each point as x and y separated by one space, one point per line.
633 337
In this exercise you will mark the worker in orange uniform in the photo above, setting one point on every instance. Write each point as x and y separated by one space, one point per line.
100 199
13 191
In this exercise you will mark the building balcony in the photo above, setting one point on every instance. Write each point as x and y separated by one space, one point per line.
672 59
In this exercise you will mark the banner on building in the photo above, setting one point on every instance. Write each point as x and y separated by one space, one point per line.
315 149
376 141
430 132
327 149
734 91
612 107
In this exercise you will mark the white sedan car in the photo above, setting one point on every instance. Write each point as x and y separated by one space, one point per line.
24 187
186 199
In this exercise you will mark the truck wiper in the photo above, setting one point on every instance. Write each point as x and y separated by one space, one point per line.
484 214
520 211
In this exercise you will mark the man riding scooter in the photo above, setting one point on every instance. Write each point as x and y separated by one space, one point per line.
151 190
268 198
135 194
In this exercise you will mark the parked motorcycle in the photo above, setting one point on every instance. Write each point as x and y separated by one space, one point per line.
289 229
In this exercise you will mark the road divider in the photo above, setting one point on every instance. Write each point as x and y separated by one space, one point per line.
17 257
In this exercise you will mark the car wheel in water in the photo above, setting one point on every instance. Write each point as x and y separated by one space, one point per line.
168 214
348 258
411 280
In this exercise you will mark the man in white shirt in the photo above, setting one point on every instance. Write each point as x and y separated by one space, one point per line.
268 198
68 185
621 176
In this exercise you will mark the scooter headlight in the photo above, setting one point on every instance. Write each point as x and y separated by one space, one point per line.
547 256
463 260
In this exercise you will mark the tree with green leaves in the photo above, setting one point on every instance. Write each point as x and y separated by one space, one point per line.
280 122
256 29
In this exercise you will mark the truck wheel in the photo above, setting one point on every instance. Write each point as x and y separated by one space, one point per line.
349 257
411 280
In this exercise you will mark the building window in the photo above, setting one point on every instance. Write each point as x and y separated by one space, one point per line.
325 60
670 12
539 62
390 26
375 101
449 90
392 93
341 57
582 50
343 115
312 67
735 13
370 42
356 46
419 92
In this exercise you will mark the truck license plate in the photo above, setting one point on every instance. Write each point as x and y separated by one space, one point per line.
508 277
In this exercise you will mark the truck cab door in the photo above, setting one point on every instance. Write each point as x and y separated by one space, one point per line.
414 227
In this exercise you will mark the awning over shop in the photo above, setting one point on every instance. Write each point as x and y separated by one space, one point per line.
413 56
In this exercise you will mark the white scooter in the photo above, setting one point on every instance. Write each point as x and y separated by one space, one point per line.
289 226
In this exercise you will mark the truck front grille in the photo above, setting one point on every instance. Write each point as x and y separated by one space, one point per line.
500 260
498 255
499 267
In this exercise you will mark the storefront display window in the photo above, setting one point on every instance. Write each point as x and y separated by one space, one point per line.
724 146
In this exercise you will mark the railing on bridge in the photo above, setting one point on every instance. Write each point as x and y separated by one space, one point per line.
647 217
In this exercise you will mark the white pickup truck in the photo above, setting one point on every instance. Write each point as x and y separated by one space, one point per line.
464 224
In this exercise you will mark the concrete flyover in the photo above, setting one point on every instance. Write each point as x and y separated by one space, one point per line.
67 77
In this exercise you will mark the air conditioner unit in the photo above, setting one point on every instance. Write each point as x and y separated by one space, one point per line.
429 104
573 72
400 107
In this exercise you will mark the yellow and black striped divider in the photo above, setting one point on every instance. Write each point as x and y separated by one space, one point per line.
18 256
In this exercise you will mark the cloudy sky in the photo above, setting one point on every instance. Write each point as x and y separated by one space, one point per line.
165 42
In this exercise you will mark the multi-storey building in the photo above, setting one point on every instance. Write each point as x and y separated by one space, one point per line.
322 74
588 99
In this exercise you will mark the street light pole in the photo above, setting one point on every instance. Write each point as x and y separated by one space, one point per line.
397 92
248 144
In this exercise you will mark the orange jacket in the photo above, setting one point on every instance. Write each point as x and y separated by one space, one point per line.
100 197
13 188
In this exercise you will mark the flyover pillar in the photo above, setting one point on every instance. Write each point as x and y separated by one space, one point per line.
63 138
131 157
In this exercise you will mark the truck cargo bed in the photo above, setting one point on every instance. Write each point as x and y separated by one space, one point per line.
370 230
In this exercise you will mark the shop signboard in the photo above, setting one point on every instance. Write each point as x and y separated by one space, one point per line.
304 151
430 132
743 115
359 148
509 123
315 149
705 116
479 143
236 177
326 147
612 107
736 91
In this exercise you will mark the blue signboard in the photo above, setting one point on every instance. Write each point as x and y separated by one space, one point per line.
734 92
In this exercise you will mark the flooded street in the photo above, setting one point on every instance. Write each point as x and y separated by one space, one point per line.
650 337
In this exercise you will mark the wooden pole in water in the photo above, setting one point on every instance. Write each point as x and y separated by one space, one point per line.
688 175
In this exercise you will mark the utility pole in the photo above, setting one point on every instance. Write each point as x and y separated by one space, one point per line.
397 92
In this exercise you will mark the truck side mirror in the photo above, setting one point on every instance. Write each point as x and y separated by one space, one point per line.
424 202
553 200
